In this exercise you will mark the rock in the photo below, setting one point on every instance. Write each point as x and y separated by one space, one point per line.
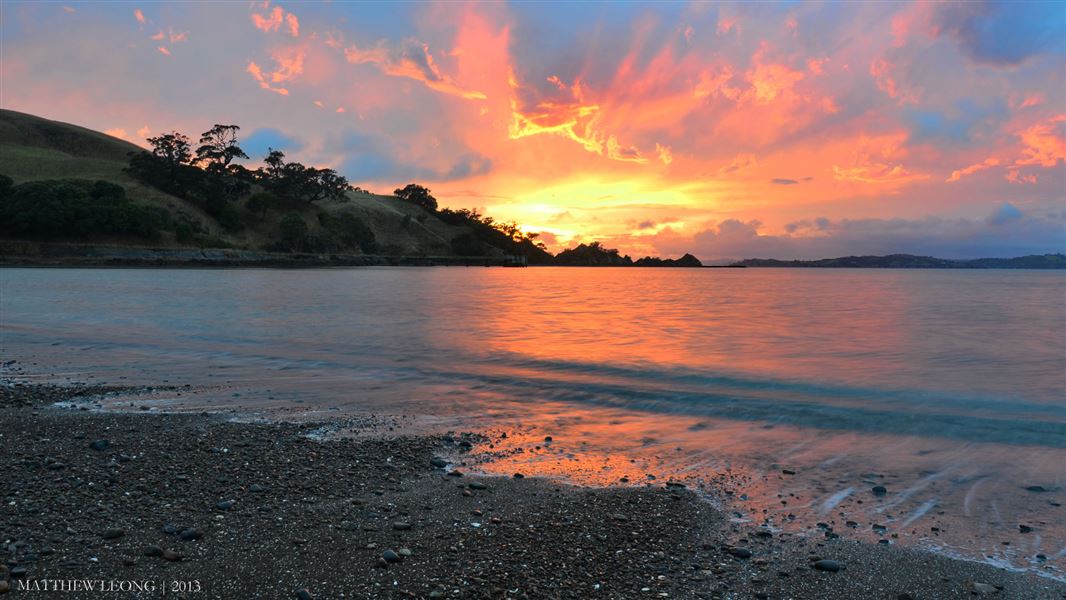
1036 488
171 555
191 534
405 552
169 529
113 534
401 526
788 471
225 504
879 490
455 474
519 476
831 566
764 533
391 556
477 485
255 487
303 594
438 462
740 552
100 445
153 551
977 587
1024 528
5 587
547 438
17 572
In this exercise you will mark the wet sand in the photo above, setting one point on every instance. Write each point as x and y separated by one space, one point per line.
254 510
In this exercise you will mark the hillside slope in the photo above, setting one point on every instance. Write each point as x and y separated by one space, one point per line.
35 149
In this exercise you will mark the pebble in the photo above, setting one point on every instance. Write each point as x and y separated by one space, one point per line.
391 556
831 566
1024 528
169 529
171 555
255 487
983 588
5 587
112 534
191 534
438 462
740 552
303 594
477 485
405 552
519 476
100 445
401 526
153 551
1036 488
879 490
225 504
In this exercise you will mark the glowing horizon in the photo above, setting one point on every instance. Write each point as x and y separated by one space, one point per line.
748 130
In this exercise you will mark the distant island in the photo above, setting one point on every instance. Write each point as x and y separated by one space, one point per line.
910 261
71 195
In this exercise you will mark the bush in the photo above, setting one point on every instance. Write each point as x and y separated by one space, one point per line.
261 203
292 230
75 208
467 244
349 231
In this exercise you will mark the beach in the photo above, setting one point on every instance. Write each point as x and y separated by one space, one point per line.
267 510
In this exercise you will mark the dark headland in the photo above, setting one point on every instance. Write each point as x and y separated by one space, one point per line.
910 261
255 510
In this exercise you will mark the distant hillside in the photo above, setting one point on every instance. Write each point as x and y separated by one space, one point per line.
34 149
908 261
596 255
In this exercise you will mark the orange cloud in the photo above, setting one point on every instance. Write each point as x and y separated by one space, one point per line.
1014 176
877 173
137 14
163 50
264 80
116 132
274 19
143 132
413 61
665 154
883 73
270 22
970 170
1044 143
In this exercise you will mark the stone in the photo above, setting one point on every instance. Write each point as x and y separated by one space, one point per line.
477 485
191 534
983 588
391 556
169 529
100 445
740 552
879 490
171 555
438 462
401 525
303 594
225 504
153 551
113 534
830 566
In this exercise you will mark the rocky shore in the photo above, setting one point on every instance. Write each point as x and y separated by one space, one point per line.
215 509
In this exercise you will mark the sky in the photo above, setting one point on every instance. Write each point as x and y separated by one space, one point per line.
771 129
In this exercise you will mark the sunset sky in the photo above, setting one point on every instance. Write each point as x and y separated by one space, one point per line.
789 130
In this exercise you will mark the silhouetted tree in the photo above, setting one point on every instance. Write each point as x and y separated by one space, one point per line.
418 195
173 151
301 184
218 147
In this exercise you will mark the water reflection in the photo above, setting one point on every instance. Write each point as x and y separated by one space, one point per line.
944 387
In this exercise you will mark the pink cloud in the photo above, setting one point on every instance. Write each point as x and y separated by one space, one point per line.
163 50
970 170
116 132
1044 144
137 14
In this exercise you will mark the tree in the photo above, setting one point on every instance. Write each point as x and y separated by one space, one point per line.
293 230
218 147
418 195
173 150
301 184
260 203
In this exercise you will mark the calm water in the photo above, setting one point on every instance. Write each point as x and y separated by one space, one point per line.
946 387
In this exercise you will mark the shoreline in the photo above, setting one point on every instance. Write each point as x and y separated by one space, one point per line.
264 511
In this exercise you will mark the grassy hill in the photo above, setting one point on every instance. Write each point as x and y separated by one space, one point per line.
36 149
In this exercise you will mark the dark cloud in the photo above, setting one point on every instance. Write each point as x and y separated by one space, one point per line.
646 225
783 181
1004 33
1005 232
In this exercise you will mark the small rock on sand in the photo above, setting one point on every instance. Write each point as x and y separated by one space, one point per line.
831 566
